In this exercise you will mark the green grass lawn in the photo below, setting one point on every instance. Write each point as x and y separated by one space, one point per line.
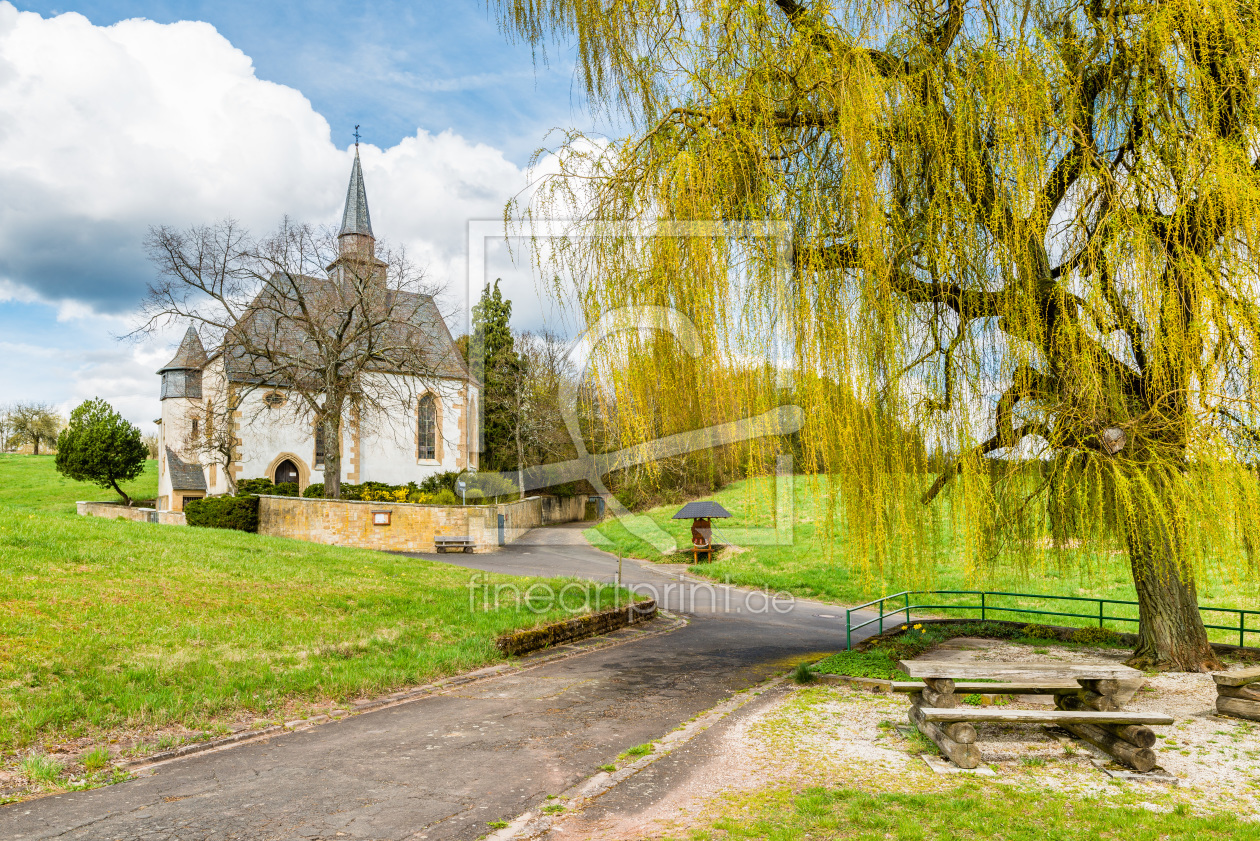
975 810
817 566
108 624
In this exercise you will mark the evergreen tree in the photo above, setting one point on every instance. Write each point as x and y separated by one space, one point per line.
493 357
101 447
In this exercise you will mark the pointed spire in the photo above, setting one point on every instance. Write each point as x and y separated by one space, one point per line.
355 219
191 354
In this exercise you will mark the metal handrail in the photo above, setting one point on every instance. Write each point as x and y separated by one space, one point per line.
985 608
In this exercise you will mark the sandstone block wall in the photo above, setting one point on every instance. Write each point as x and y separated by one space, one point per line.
411 527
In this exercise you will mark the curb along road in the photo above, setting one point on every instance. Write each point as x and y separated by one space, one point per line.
663 624
481 748
533 824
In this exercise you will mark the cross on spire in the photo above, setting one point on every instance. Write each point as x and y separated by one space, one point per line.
356 137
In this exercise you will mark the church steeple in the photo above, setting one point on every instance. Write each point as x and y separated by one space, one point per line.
355 219
356 242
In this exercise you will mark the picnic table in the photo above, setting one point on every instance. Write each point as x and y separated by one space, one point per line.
1084 695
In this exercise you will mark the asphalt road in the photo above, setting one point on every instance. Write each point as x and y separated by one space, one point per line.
445 766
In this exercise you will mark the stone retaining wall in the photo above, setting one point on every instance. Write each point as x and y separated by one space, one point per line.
409 527
581 627
117 511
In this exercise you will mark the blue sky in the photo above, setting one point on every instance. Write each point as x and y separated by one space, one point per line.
390 66
115 117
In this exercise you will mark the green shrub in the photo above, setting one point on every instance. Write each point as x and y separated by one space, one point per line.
439 482
314 490
286 489
875 663
446 496
1040 632
1096 636
474 495
246 487
224 512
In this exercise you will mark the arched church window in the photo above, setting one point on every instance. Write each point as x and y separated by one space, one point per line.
426 428
319 445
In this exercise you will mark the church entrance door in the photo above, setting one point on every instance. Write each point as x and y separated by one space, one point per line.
286 471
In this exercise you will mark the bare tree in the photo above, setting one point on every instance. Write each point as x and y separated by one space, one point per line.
214 440
319 315
539 421
151 444
34 424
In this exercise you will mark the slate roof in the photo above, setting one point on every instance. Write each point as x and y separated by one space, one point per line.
191 354
425 329
355 219
696 510
184 476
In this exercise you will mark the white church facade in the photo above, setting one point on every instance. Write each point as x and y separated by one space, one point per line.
203 450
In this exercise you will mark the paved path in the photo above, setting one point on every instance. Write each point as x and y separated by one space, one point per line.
444 766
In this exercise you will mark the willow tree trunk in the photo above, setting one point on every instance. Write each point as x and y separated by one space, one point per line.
1171 633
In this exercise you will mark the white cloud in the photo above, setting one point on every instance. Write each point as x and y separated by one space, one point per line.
106 131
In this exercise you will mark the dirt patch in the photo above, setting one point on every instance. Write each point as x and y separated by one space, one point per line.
838 736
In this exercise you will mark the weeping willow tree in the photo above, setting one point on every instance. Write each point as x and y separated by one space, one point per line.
1023 227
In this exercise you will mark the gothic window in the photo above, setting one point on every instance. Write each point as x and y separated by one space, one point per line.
319 445
195 428
426 428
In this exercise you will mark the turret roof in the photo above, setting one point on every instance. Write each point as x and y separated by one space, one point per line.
191 354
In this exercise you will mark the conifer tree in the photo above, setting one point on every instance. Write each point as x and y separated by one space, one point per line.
493 357
101 446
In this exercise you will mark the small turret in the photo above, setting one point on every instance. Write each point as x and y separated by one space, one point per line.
181 377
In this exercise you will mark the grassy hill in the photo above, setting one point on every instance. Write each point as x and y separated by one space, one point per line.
113 624
818 566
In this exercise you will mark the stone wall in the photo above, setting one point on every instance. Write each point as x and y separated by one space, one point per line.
116 511
411 527
578 628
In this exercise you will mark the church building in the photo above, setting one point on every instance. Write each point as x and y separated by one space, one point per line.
268 434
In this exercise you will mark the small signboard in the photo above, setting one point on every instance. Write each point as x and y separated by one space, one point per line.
380 518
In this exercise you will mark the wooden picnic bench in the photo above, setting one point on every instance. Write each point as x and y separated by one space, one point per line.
446 542
1238 693
1085 705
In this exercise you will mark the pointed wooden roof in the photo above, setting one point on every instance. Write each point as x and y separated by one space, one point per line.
190 356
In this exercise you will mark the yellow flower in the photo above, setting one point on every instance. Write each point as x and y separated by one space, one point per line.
917 627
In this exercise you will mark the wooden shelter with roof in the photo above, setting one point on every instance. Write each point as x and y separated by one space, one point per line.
701 513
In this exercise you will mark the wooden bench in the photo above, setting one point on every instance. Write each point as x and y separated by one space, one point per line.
1238 693
967 688
1084 696
447 542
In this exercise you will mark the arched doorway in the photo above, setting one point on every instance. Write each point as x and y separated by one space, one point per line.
286 471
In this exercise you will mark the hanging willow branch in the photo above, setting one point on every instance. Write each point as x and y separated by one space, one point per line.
1070 188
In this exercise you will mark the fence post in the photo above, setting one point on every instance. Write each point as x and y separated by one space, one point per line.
1100 613
881 616
982 607
907 607
1242 623
848 630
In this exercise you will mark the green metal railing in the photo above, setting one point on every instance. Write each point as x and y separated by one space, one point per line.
985 608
